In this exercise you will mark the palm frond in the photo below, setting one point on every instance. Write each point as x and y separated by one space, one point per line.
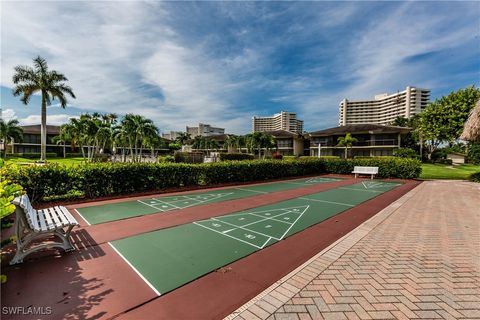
40 65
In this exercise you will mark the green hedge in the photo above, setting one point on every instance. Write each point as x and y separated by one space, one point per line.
475 177
388 167
55 181
236 156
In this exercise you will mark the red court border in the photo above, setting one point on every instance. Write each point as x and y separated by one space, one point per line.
217 294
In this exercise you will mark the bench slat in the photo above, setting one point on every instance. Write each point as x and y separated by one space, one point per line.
61 216
41 219
69 216
55 217
48 219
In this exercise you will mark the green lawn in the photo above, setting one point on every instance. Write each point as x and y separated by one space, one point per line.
442 171
65 161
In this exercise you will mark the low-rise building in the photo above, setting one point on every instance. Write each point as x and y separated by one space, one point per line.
172 135
288 143
204 130
32 140
373 140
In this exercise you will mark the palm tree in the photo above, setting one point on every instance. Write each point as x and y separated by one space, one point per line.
183 137
50 84
346 142
231 143
400 122
10 131
63 136
138 130
267 142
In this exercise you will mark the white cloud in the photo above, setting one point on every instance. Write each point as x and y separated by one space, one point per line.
8 114
56 119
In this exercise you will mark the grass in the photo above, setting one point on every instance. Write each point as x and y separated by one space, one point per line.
443 171
65 161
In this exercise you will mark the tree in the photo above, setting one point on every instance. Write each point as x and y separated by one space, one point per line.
400 122
137 130
346 142
443 120
10 131
183 137
51 86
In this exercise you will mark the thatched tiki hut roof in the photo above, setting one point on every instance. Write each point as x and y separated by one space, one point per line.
471 129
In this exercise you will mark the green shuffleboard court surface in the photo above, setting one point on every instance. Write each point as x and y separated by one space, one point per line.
170 258
135 208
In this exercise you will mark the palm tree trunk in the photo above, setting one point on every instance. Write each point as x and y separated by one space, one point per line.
64 155
43 137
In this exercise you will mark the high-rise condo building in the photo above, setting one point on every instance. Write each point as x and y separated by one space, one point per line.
384 108
280 121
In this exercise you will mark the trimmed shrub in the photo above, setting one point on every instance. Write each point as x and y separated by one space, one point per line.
475 177
236 156
166 159
243 171
406 153
473 153
189 157
290 158
55 181
388 167
444 161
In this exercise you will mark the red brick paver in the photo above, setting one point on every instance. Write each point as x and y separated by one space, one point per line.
419 258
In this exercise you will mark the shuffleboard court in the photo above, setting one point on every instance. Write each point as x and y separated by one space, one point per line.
169 258
128 209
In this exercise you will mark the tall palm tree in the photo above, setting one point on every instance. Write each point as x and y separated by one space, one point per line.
10 131
137 130
346 142
183 138
50 84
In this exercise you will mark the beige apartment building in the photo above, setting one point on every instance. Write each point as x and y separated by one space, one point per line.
384 108
284 120
204 130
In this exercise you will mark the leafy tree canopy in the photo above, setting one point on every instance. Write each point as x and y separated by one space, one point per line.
443 119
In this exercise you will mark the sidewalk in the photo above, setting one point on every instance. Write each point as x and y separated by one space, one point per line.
419 258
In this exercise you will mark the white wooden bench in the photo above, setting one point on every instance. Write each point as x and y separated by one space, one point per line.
365 170
33 225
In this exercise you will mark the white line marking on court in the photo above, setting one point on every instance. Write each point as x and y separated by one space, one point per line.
295 222
265 211
332 202
266 242
227 235
371 185
168 204
217 196
243 189
255 222
135 269
88 223
302 183
345 188
150 205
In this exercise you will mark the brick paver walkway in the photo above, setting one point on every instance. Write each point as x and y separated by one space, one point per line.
419 258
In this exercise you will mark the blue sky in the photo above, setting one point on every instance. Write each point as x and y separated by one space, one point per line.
180 63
